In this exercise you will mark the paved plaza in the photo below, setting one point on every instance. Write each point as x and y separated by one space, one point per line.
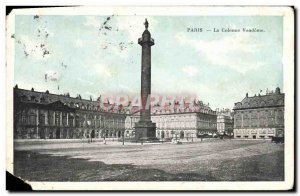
209 160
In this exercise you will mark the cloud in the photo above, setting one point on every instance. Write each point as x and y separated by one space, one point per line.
85 81
190 70
104 70
88 94
126 88
52 75
228 51
78 43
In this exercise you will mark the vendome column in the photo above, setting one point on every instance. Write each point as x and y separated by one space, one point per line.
145 129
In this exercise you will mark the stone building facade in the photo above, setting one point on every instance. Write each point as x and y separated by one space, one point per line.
260 116
225 122
197 121
41 115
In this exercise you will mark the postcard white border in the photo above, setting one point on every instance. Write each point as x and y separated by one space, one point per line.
288 73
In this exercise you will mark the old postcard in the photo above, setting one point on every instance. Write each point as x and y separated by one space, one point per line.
151 98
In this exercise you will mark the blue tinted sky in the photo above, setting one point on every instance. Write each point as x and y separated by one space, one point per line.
219 67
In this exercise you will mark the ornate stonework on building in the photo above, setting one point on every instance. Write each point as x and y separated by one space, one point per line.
260 116
41 115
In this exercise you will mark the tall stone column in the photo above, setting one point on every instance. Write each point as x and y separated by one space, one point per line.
145 129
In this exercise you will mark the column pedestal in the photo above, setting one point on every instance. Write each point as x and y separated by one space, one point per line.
145 131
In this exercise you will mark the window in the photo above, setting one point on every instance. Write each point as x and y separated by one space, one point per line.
238 120
71 121
77 122
64 119
57 119
42 119
24 120
42 99
32 119
246 121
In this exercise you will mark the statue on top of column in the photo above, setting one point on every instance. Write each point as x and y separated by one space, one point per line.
146 24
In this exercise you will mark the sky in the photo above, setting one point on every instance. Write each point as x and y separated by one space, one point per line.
99 55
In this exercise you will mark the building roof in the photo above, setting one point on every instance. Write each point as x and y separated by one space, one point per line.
174 109
273 99
46 98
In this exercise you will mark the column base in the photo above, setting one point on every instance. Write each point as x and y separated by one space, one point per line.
145 131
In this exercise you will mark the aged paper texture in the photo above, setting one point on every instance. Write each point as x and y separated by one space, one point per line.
151 98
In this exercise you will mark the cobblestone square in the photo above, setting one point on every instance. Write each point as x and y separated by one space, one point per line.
209 160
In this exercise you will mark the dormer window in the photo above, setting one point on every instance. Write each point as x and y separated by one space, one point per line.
42 99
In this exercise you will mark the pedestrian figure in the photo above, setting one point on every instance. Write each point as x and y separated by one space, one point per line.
89 137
